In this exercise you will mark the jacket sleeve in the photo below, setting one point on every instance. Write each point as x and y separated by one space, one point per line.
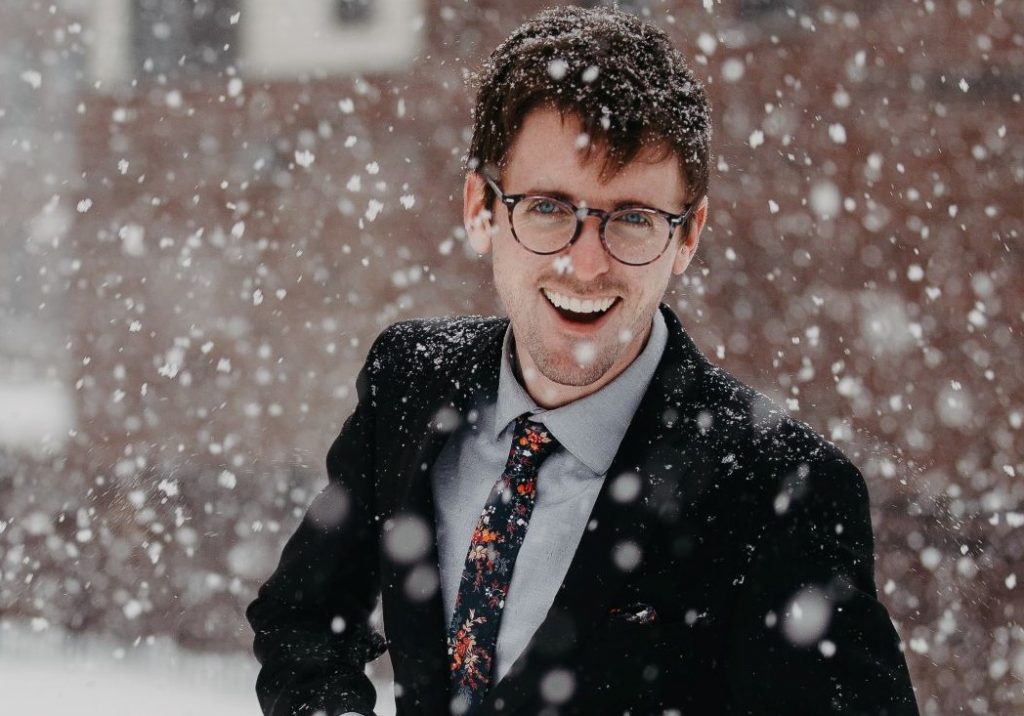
311 617
811 636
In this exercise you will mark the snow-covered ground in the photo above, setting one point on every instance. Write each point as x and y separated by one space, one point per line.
52 674
49 673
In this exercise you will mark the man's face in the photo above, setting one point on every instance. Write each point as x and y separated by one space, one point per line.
565 347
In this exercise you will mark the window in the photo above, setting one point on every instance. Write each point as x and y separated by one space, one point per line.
173 36
262 38
354 11
281 39
751 9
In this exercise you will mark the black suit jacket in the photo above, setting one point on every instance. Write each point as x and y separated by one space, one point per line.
739 511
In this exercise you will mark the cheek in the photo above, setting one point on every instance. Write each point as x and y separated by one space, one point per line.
649 288
512 276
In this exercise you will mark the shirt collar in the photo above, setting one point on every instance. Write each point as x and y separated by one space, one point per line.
592 427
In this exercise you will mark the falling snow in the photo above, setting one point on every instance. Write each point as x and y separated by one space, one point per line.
198 253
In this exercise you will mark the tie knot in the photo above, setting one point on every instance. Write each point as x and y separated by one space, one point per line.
532 441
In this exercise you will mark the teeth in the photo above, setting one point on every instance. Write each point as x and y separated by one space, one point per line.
590 305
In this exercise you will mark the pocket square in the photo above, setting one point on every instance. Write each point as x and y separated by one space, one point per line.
636 613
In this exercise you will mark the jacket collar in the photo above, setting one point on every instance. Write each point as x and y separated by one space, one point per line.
416 622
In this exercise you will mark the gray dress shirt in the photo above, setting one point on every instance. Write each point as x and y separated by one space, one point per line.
589 431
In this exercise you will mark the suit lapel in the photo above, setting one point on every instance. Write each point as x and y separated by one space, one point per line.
418 619
616 536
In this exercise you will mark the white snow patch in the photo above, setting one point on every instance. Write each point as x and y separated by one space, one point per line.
373 209
930 558
919 645
807 617
825 199
34 416
707 43
558 69
733 70
406 539
955 407
562 264
133 238
33 78
885 323
101 676
627 555
584 352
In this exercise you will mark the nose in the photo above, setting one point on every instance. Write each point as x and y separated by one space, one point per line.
589 259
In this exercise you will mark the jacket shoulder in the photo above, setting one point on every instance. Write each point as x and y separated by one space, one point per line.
412 348
774 472
757 427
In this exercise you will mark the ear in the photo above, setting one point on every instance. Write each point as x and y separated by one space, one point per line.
476 215
688 246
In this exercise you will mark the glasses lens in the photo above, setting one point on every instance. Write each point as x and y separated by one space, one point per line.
543 224
636 236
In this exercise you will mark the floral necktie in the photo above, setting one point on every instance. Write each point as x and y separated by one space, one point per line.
497 537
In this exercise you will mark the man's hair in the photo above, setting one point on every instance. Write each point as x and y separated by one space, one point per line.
621 76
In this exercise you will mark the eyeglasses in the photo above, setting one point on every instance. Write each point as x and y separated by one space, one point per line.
544 225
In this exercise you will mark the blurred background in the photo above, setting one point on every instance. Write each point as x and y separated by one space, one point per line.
209 208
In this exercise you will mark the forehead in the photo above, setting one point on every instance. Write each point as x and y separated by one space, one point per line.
552 152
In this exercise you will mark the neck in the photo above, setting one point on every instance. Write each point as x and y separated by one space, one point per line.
549 394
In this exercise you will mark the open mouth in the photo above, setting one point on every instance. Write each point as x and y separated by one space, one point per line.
577 310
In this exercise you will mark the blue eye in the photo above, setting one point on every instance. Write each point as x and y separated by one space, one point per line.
544 206
634 218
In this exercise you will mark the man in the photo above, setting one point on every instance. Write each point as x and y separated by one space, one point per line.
659 538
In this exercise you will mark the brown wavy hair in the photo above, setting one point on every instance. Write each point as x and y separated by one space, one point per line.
631 89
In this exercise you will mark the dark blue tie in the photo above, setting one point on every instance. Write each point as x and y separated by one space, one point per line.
497 537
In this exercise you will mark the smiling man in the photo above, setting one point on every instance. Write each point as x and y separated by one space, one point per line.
579 312
571 510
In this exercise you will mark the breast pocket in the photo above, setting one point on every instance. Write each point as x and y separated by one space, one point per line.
634 613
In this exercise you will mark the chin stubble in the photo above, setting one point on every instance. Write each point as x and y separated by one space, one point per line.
585 366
